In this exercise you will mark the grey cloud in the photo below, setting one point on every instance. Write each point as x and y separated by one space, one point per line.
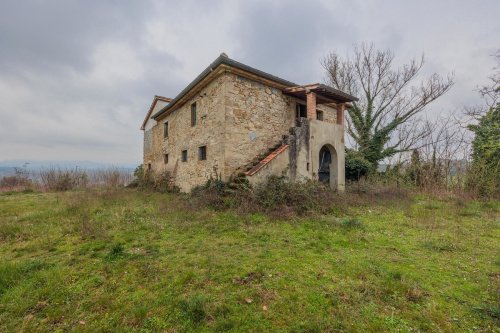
284 37
77 77
46 35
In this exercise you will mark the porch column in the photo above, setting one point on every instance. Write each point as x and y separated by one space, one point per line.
340 114
311 105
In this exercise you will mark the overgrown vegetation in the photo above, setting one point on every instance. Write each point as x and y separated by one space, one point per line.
276 196
57 179
485 173
356 166
384 121
147 179
117 259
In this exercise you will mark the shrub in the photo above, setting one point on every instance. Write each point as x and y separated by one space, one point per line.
112 177
162 182
19 180
141 179
276 195
63 180
217 194
14 181
356 166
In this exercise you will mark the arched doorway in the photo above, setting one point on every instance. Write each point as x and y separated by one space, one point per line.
327 171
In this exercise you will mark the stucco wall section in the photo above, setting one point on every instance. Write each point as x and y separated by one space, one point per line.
148 133
209 132
331 135
276 167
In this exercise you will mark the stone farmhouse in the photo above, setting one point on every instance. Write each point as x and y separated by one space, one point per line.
235 120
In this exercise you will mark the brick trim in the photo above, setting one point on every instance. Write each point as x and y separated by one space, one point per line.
266 160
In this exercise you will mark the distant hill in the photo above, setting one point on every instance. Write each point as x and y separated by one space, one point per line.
8 167
6 171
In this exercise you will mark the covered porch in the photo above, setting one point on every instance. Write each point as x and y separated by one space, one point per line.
320 149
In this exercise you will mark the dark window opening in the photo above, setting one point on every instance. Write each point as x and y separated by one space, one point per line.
202 153
165 129
165 158
193 114
149 166
319 115
325 159
184 156
300 111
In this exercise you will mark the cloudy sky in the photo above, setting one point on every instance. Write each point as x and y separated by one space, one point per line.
77 77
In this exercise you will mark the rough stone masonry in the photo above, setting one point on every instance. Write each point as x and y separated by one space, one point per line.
232 118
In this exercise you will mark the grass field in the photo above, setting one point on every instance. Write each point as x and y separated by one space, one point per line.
125 260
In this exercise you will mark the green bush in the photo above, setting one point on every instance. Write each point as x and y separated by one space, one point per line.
356 166
483 176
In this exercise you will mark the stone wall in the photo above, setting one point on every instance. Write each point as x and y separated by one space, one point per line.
257 117
238 119
329 113
209 132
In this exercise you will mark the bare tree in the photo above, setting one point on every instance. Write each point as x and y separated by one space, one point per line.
379 122
491 92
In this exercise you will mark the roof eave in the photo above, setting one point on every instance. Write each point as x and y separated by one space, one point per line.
155 100
221 60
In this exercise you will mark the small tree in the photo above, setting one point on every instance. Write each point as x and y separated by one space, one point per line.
415 168
483 175
485 172
387 100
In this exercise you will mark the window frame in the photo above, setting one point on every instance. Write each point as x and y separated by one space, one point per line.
202 153
165 130
320 115
298 108
194 113
184 155
165 158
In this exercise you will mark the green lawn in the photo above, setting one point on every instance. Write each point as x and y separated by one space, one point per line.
124 260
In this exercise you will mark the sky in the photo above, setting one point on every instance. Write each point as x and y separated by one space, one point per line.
77 77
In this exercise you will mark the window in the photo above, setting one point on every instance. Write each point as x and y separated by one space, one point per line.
193 114
301 111
319 115
165 158
202 153
165 129
149 166
184 156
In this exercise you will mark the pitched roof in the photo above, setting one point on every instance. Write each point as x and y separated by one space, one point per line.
155 100
223 59
325 94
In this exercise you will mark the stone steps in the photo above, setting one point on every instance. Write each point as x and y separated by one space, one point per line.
263 158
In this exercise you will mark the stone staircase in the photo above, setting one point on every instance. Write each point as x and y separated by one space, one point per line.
262 159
